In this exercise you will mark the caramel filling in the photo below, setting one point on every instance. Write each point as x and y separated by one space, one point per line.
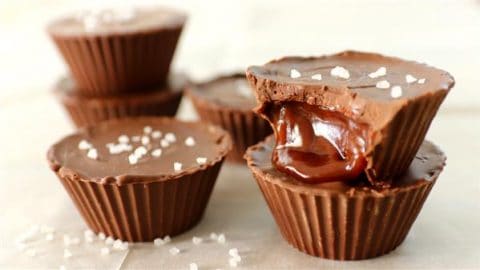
316 145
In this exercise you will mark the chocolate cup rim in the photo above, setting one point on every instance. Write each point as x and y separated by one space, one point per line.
182 20
159 93
192 87
56 166
318 191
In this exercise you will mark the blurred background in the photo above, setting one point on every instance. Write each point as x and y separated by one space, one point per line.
223 36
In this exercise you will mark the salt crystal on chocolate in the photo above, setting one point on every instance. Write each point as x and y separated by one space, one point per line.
164 143
109 240
201 160
167 239
189 141
84 145
382 71
145 140
410 79
383 84
317 77
221 238
174 251
136 138
396 91
340 72
197 240
177 166
123 139
147 129
421 81
132 159
92 153
158 242
102 236
295 73
140 151
170 137
233 252
156 152
156 134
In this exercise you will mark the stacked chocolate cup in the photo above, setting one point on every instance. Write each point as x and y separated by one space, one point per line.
348 169
119 62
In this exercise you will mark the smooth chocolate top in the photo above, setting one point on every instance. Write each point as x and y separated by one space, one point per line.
366 74
110 21
230 91
139 150
426 166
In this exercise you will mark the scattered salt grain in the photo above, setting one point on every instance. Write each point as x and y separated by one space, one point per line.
317 77
174 251
396 91
123 139
221 238
382 71
421 81
189 141
233 252
136 138
92 153
158 242
410 79
84 145
340 72
177 166
102 236
156 134
233 262
156 152
164 143
295 73
109 240
104 251
147 129
201 160
170 137
167 239
67 254
382 84
145 140
120 245
132 159
197 240
213 236
193 266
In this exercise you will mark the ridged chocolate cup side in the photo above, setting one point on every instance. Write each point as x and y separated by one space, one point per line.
402 137
244 127
90 110
111 64
140 212
337 223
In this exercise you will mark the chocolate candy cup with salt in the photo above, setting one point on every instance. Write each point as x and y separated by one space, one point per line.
345 220
383 107
137 179
227 101
118 51
84 111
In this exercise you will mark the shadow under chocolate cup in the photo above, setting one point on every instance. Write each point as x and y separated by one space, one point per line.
140 197
84 110
345 220
227 101
125 53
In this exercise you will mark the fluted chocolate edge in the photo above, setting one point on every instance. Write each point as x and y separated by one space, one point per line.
140 212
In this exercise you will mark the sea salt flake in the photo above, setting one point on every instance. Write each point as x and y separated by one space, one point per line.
158 242
170 137
201 160
156 134
120 245
164 143
410 79
136 138
396 91
156 152
109 240
233 262
123 139
421 81
147 129
145 140
132 159
174 251
213 236
340 72
104 251
67 254
84 145
140 151
317 77
233 252
221 238
167 239
177 166
189 141
197 240
92 153
295 73
382 84
193 266
381 71
102 236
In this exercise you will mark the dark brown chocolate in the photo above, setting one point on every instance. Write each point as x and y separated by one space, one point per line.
227 101
137 179
84 111
345 220
394 98
110 52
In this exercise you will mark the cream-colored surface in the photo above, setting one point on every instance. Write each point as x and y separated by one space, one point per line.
221 36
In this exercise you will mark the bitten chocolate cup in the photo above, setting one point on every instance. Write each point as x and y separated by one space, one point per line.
83 110
118 51
227 101
391 101
137 179
345 220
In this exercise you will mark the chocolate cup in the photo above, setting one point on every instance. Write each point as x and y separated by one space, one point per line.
341 225
83 111
245 127
118 63
141 212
